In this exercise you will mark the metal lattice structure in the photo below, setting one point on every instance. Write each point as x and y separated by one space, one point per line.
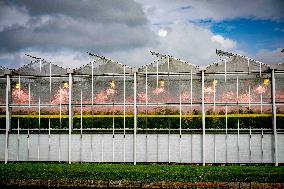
168 97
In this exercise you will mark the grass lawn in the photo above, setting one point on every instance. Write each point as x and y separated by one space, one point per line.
142 172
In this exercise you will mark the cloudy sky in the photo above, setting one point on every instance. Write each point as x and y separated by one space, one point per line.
62 31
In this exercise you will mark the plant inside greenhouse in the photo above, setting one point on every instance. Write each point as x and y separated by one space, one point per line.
236 95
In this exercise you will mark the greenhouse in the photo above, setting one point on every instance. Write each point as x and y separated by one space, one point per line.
231 111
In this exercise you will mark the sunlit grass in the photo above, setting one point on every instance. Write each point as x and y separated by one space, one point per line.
142 172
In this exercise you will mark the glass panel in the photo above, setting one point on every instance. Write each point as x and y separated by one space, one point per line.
280 117
2 103
279 87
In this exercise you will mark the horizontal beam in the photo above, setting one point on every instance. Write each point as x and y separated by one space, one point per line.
144 104
144 115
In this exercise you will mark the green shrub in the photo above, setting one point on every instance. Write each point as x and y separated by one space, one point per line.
213 120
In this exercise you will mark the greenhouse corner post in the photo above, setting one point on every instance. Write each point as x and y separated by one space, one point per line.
274 118
135 116
8 114
202 69
70 72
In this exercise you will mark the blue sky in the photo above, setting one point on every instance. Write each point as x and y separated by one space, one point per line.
62 31
252 34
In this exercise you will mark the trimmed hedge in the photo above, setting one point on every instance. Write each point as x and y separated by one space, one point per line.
152 122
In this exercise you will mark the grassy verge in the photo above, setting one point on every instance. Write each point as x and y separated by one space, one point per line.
150 172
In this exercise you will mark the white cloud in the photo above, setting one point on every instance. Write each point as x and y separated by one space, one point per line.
75 25
226 43
135 57
270 56
192 43
167 11
71 59
62 34
162 33
183 40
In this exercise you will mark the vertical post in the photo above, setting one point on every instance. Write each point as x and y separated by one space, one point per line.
124 121
146 91
92 88
259 69
169 133
39 113
38 138
226 113
50 78
180 127
261 103
81 123
29 95
8 114
203 118
238 90
28 145
49 118
157 75
40 63
18 139
49 139
261 145
70 72
60 123
238 140
238 117
225 64
248 66
214 95
135 116
112 131
250 145
92 107
180 115
168 61
191 90
249 97
274 118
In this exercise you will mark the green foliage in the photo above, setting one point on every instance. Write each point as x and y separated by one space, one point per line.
140 172
213 120
34 123
280 122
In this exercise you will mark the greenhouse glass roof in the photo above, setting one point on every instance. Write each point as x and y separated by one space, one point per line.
164 64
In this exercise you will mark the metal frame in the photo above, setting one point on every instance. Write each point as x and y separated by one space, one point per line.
274 119
8 114
156 73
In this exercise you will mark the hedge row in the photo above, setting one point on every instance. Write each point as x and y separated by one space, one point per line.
153 122
150 123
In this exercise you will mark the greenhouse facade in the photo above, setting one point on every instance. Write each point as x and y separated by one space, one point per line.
231 111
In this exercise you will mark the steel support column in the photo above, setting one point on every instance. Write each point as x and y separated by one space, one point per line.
135 117
70 72
124 111
8 113
274 118
203 118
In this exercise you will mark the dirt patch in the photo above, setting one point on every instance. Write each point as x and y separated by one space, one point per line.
133 184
